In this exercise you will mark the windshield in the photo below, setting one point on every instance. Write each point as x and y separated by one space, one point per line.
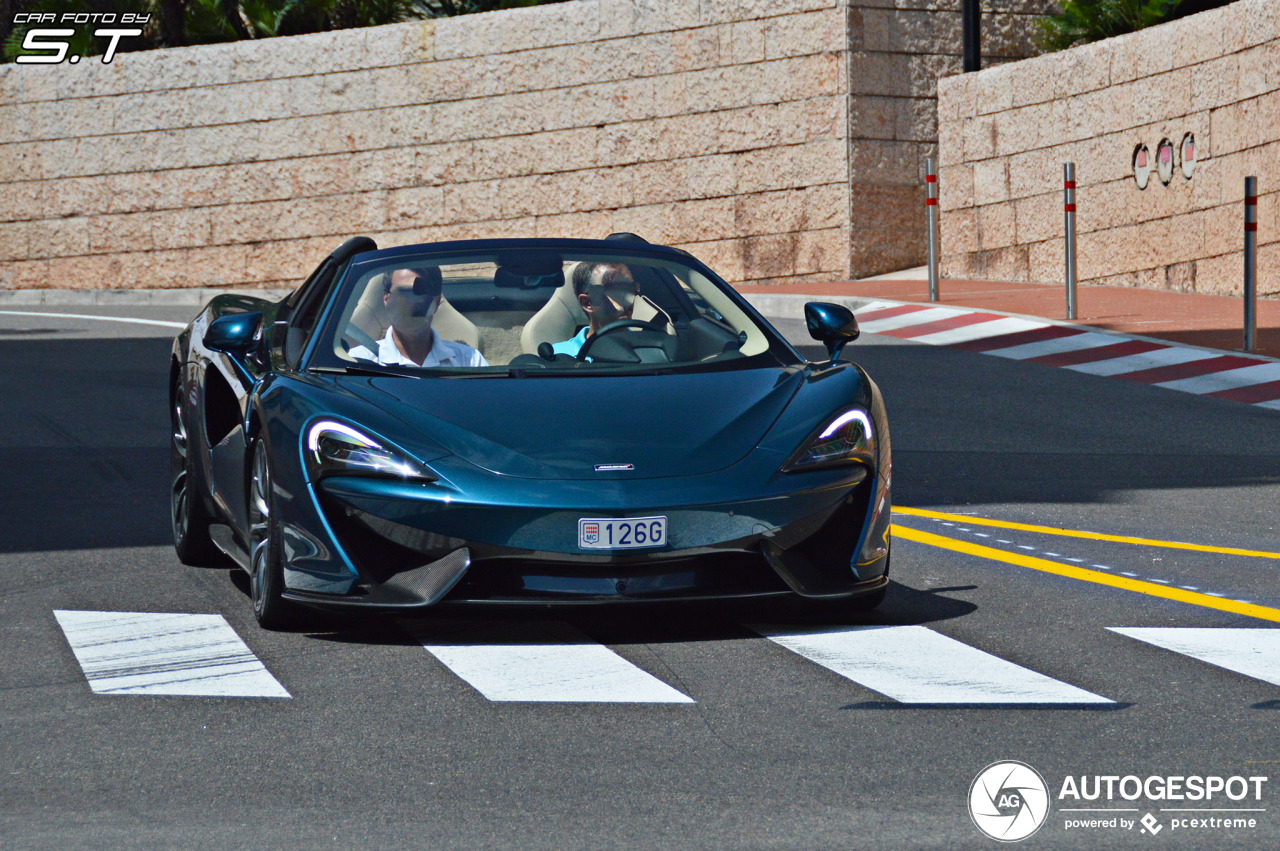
539 310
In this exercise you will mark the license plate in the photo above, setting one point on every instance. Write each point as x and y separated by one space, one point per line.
613 533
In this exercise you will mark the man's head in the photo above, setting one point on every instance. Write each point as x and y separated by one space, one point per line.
606 291
412 297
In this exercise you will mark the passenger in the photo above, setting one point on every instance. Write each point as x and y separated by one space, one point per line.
412 297
607 293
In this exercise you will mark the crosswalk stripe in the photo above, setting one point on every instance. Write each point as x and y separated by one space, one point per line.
1007 341
1268 391
874 306
1074 343
916 317
1191 369
1252 652
1231 379
547 663
913 664
165 654
1145 360
951 323
995 327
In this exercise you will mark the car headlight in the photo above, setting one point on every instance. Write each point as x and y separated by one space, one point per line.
334 448
844 438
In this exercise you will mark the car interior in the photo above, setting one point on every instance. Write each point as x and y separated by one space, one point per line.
512 313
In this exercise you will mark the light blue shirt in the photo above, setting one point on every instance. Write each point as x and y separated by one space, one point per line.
572 345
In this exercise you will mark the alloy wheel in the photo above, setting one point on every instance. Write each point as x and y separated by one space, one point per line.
259 528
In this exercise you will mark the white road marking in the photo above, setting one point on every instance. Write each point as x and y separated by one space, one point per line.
558 665
157 322
165 654
1025 547
1252 652
916 317
978 331
1056 346
912 664
1145 360
876 305
1227 379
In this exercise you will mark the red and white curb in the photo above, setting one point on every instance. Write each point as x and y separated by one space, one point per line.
1206 372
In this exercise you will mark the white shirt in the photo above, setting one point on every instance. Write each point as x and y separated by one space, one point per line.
443 353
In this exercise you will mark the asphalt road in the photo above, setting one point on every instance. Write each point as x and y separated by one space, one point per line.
381 744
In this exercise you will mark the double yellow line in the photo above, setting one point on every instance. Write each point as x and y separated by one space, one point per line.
1153 589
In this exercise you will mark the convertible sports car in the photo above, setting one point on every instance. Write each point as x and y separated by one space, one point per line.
524 421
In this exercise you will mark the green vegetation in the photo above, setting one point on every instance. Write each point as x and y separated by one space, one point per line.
181 22
1082 21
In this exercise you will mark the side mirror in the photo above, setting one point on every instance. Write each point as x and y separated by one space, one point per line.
234 334
833 325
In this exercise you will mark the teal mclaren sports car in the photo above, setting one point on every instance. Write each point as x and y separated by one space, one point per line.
524 421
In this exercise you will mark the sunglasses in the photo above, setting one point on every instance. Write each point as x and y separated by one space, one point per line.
426 286
421 286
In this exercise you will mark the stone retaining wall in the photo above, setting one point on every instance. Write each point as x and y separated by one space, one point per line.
1006 132
727 128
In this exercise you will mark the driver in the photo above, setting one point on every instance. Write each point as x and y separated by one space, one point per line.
607 293
412 297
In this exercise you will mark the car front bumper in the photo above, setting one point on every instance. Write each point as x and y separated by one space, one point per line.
414 545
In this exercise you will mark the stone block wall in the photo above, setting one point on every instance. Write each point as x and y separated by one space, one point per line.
898 51
1005 133
726 127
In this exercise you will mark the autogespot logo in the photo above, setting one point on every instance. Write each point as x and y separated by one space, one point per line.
1009 801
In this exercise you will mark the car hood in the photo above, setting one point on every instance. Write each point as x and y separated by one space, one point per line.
564 427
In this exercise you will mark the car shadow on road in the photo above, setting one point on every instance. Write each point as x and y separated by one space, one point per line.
622 624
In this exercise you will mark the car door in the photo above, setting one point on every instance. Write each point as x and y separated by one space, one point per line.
291 324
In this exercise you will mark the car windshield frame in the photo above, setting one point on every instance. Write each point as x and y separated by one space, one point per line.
320 357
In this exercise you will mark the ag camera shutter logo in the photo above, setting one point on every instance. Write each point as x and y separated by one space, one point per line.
1008 801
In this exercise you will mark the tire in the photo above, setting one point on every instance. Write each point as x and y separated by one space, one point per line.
188 516
266 572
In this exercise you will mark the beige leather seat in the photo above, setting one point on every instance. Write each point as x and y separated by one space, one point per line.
562 316
372 319
558 319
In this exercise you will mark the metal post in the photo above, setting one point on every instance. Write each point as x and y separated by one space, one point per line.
1250 263
971 34
931 224
1069 208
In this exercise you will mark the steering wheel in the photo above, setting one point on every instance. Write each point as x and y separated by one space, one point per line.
639 324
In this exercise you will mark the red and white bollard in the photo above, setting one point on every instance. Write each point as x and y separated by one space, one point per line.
1250 263
1069 210
931 225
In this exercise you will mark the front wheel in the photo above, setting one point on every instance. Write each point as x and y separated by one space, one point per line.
266 572
187 513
